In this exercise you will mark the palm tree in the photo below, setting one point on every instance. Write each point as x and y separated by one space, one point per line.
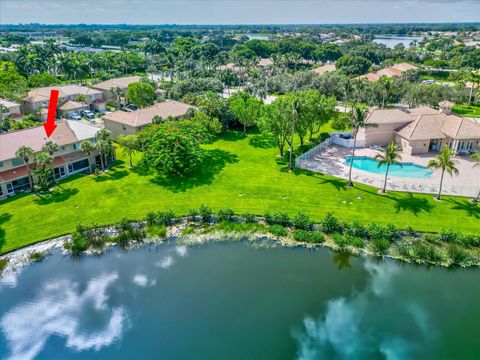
129 143
476 159
474 78
389 157
26 153
359 120
50 147
43 169
294 116
103 145
386 85
87 147
445 162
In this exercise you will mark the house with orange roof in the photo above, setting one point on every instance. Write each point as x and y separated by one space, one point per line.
68 160
397 70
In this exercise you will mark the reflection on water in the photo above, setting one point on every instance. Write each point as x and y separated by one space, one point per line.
175 302
60 309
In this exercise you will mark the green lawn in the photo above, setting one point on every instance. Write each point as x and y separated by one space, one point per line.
467 111
242 173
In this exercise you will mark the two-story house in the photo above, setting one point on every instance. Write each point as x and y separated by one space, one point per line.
38 99
67 161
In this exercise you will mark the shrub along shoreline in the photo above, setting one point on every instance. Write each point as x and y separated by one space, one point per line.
447 248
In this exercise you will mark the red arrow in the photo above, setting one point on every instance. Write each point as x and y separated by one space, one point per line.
50 126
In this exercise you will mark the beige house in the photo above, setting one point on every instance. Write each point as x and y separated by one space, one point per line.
10 108
70 106
421 130
122 83
68 160
39 98
391 71
122 122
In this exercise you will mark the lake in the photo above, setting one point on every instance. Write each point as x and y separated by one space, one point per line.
391 41
234 301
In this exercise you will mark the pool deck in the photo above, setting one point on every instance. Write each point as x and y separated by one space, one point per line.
331 161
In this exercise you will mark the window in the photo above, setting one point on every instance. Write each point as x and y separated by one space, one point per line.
419 145
1 190
124 128
1 163
78 166
63 147
9 188
75 146
17 162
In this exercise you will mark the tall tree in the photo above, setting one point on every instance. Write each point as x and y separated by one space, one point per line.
476 159
474 78
43 169
129 144
26 154
359 121
246 108
445 162
87 148
389 157
103 145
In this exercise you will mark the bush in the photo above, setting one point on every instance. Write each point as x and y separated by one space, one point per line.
280 218
151 218
250 218
192 213
432 238
156 231
380 245
78 244
314 237
164 217
225 214
426 251
302 221
330 224
205 213
188 230
344 240
278 230
450 236
388 232
126 233
356 229
457 254
37 256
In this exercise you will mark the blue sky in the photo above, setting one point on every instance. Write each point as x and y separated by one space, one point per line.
236 11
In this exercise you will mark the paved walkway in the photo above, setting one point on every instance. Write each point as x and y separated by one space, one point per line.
330 160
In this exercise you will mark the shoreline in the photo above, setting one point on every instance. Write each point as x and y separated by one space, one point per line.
18 259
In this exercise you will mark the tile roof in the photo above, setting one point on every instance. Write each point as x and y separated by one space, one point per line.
35 138
325 69
395 70
265 62
121 82
8 103
423 110
43 94
388 116
71 105
144 116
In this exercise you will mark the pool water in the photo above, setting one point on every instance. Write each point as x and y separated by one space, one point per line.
407 170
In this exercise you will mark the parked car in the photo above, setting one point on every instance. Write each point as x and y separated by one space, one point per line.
74 116
88 114
131 107
429 82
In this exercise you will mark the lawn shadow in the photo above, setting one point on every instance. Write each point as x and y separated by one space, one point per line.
262 141
3 219
215 160
111 174
338 184
472 209
142 169
232 135
408 202
58 194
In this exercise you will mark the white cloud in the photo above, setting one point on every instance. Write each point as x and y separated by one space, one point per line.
142 280
166 262
58 310
181 250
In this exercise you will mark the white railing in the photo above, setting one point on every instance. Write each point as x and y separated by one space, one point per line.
345 139
313 151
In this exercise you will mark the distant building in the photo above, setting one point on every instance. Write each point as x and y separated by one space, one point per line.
10 108
325 69
122 122
391 71
122 83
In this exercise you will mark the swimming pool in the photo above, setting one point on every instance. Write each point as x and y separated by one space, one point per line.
407 170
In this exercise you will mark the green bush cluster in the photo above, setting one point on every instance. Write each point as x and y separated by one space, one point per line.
302 221
83 238
225 214
457 254
278 218
330 224
249 218
160 218
456 237
277 230
314 237
205 213
156 231
344 240
126 232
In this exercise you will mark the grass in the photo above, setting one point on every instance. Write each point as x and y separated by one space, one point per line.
467 111
243 175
